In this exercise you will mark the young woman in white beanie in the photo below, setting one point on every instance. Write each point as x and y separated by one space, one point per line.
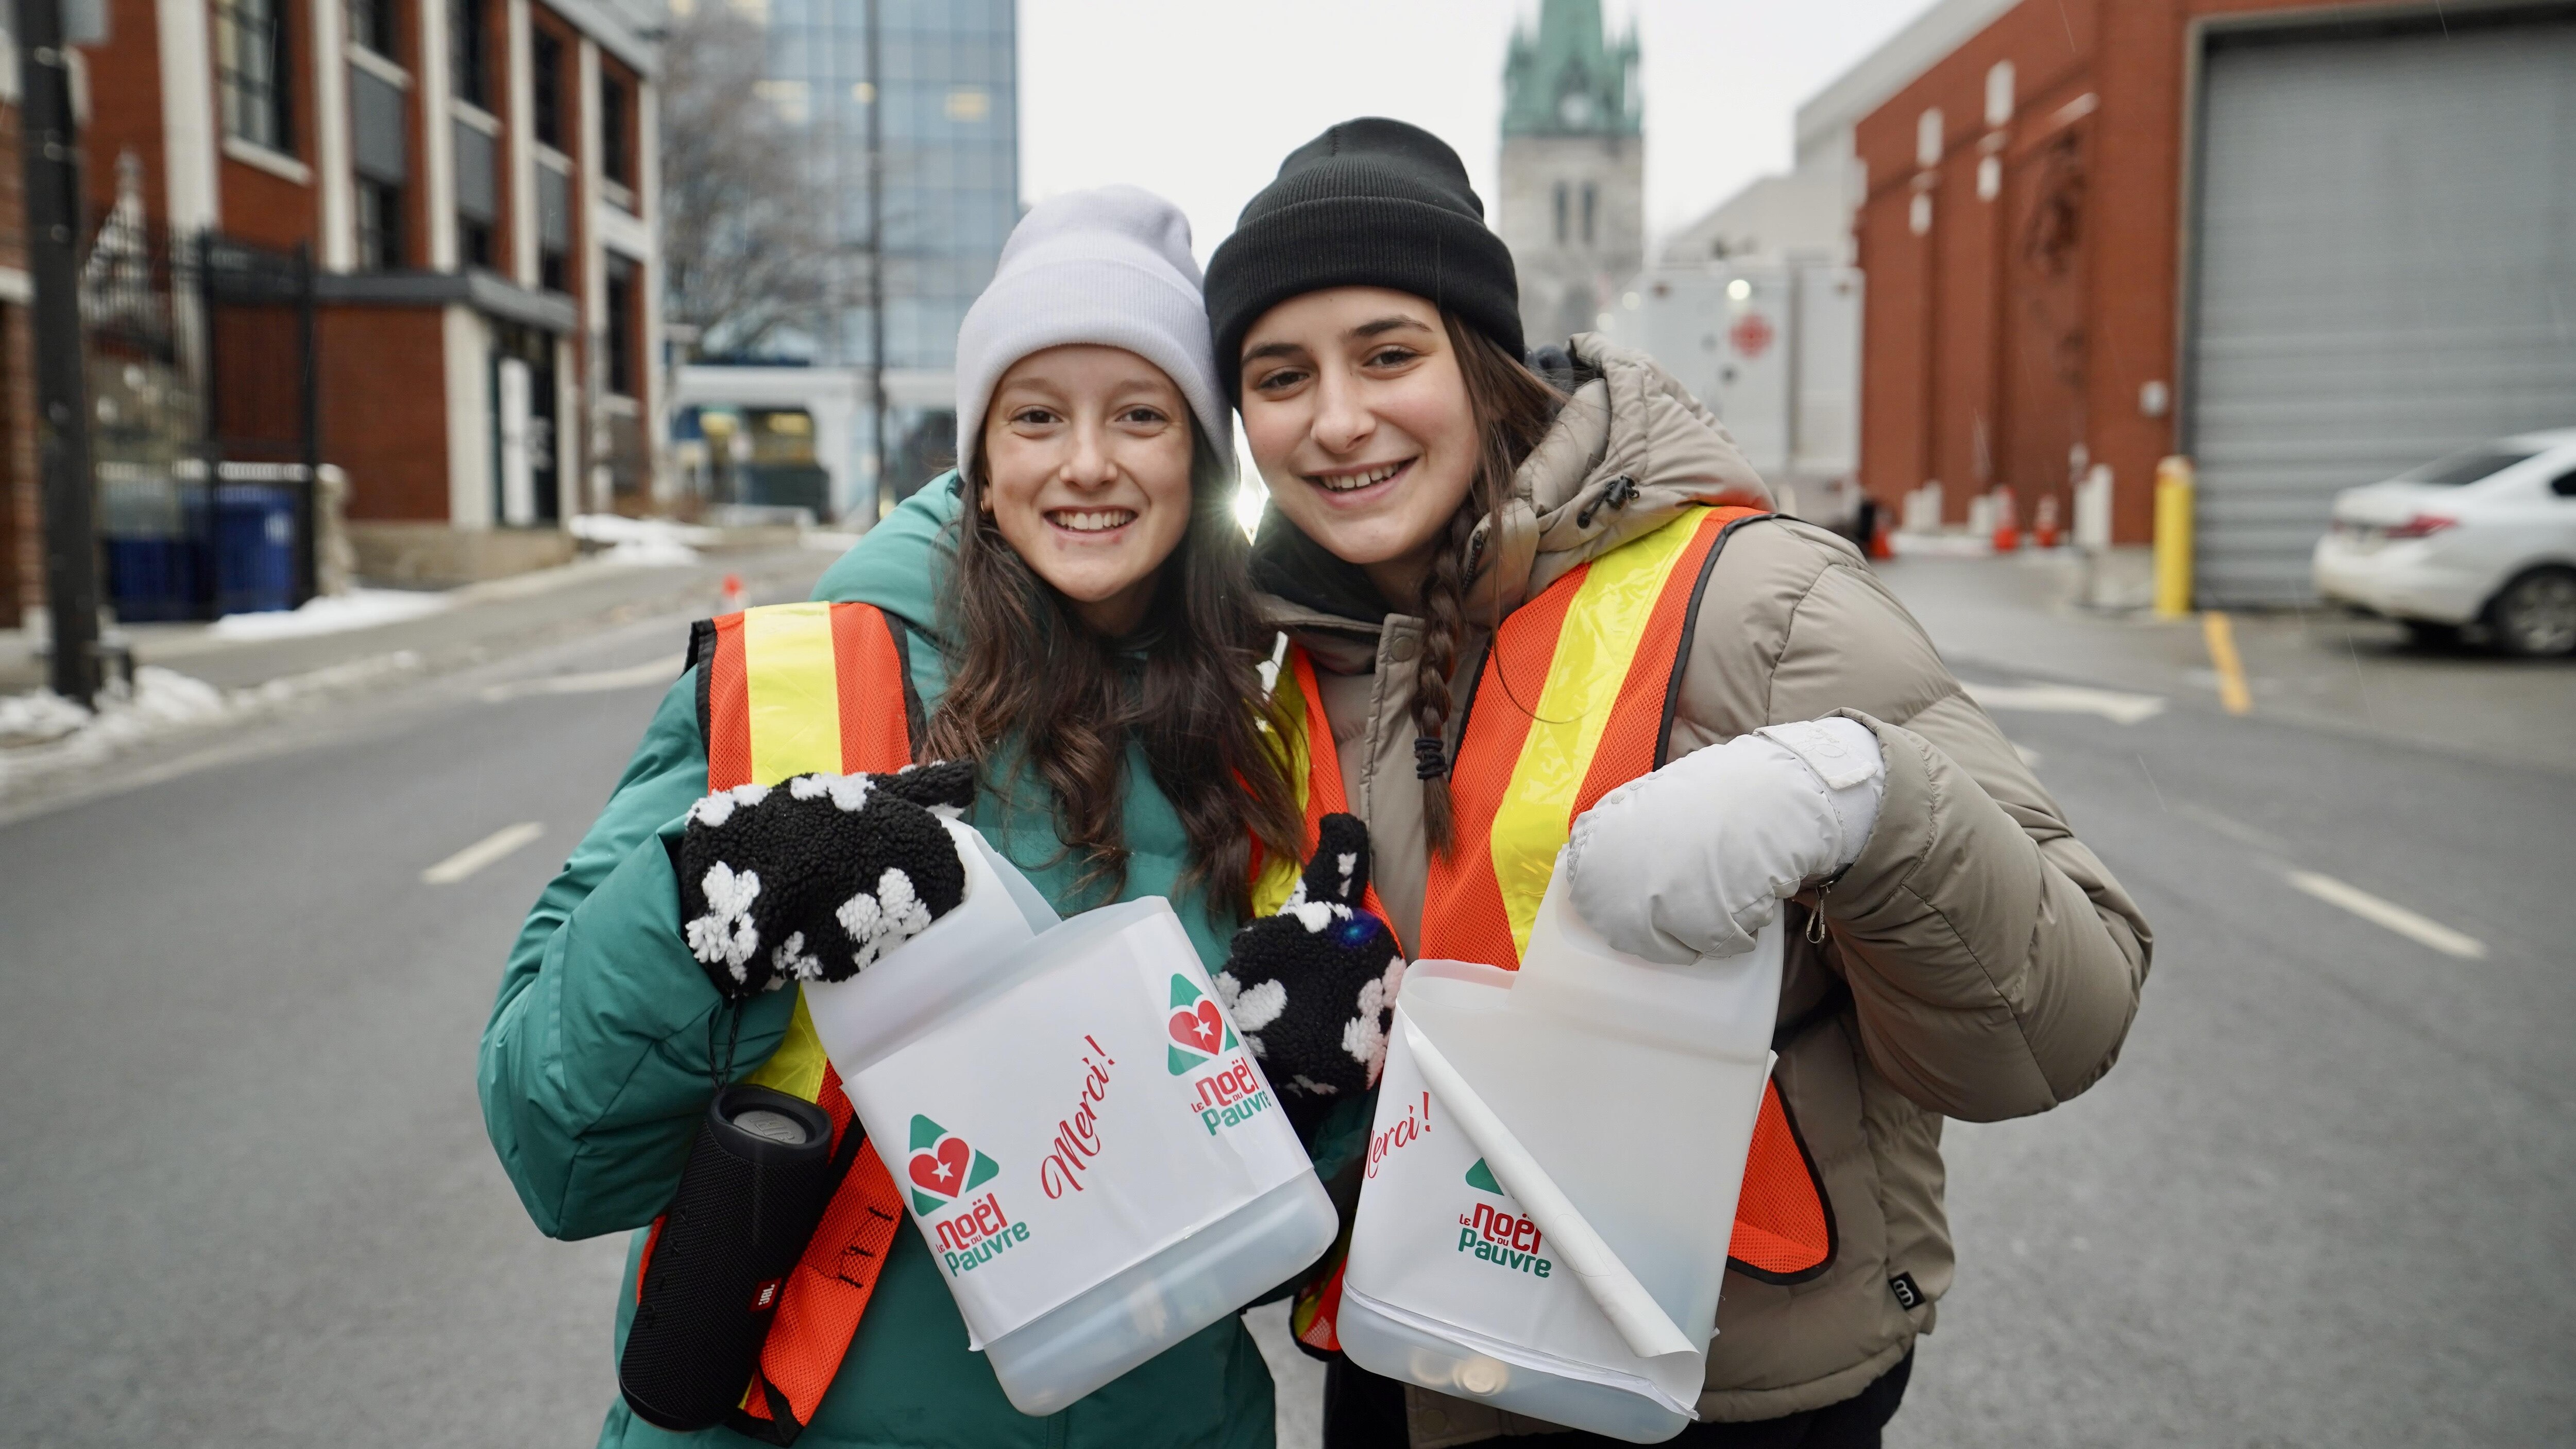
1067 612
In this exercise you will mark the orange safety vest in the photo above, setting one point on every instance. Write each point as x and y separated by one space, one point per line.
794 688
1574 698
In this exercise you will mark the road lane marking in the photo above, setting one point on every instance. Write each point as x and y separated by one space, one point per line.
633 676
2110 704
2389 914
2236 830
2220 635
482 853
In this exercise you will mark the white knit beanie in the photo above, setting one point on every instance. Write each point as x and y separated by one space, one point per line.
1110 267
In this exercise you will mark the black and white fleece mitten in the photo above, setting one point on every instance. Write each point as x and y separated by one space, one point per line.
1312 988
815 878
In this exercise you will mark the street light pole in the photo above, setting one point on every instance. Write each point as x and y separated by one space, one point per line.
876 270
52 163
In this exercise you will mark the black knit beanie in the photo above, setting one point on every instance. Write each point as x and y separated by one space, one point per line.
1369 203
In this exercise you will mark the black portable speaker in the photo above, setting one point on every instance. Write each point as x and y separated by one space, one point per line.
757 1181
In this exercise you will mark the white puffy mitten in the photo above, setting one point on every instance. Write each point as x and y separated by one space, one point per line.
1693 859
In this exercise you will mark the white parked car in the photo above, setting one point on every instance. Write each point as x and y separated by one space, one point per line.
2485 538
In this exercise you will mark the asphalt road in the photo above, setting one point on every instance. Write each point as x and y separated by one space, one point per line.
247 1198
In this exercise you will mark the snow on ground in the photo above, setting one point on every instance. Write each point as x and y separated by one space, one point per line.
41 732
330 614
1941 545
162 699
641 542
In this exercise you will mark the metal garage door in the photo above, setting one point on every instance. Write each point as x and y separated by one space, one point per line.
2386 271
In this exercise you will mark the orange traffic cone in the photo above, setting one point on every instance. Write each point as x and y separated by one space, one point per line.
2007 522
733 600
2043 523
1881 545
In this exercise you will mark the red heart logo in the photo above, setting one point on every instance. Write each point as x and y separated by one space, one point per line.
941 1171
1200 1030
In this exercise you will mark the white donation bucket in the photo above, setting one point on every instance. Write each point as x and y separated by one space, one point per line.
1093 1158
1552 1177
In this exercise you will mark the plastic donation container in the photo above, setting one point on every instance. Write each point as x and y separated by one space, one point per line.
1092 1156
1552 1172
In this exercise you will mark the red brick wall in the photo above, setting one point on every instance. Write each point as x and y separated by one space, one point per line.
385 419
125 108
22 554
2019 327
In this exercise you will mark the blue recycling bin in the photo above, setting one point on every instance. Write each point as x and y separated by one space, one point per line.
155 580
254 549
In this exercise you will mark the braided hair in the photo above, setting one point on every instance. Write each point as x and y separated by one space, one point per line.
1513 408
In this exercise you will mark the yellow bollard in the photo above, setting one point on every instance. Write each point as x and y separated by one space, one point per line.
2173 537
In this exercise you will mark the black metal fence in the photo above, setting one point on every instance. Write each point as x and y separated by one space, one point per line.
206 420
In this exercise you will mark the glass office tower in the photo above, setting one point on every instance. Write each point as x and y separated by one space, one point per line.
949 72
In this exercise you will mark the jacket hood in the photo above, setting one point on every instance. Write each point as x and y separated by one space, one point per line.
1630 449
900 564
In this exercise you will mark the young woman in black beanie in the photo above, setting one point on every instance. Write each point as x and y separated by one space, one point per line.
1549 609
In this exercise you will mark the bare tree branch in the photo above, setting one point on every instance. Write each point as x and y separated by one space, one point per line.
747 242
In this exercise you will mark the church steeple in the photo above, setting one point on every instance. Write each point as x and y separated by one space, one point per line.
1571 78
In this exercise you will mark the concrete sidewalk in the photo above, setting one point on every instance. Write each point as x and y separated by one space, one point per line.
476 622
2015 617
201 694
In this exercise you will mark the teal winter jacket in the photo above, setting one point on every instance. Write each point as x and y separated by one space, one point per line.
595 1073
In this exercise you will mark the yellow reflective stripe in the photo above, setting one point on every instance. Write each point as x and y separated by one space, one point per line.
796 1068
795 699
1288 720
1593 649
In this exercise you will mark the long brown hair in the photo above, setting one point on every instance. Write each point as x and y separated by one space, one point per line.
1032 679
1513 408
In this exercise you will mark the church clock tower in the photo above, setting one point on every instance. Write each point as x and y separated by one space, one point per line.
1573 200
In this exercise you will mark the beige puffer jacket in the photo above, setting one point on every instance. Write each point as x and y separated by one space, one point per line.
1980 962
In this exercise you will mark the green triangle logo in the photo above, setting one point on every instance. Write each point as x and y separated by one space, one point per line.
1183 993
1229 1036
1182 1062
924 1204
925 1132
980 1174
1481 1178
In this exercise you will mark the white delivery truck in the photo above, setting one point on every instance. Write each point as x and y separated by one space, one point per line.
1773 348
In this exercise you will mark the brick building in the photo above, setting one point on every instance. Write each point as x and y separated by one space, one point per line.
475 180
2307 244
22 552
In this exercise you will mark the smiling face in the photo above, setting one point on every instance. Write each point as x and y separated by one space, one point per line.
1086 457
1358 418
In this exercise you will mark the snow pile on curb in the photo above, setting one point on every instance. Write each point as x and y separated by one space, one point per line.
330 614
162 699
641 542
41 732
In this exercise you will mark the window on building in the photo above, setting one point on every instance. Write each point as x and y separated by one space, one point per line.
622 325
1591 205
379 155
554 228
469 51
546 59
616 121
478 193
251 61
380 226
1560 213
377 25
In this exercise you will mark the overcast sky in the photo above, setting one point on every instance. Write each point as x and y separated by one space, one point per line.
1199 99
